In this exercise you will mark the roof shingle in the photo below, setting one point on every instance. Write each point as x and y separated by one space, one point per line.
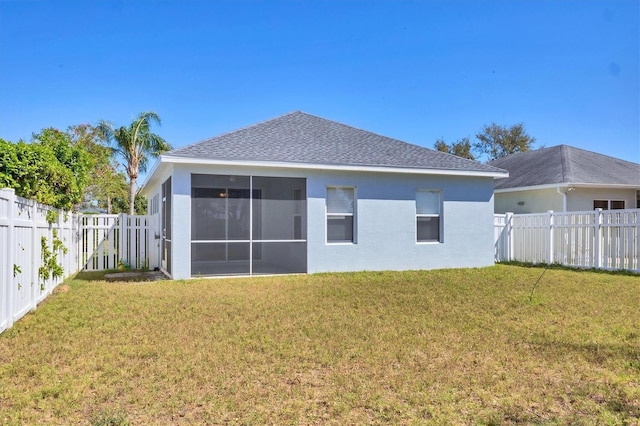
565 164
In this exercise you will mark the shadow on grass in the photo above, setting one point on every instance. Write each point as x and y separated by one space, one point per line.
114 275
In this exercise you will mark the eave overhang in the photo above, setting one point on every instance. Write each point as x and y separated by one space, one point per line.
567 186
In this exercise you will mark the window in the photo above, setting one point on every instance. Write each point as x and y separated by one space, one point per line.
617 204
608 204
427 216
340 217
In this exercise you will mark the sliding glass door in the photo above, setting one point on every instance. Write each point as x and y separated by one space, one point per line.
243 225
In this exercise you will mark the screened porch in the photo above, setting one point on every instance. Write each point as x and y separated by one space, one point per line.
248 225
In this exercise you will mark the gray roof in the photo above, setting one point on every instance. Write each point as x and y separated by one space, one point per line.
565 164
306 139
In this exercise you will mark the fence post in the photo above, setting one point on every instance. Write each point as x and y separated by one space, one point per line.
597 236
550 237
508 223
36 252
8 281
80 243
122 227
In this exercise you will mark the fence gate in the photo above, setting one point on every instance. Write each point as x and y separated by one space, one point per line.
110 241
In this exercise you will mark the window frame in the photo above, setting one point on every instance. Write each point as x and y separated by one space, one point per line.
351 214
609 204
438 215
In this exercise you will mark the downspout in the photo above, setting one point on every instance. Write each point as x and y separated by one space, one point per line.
564 199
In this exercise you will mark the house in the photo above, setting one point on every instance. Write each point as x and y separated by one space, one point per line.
563 178
302 194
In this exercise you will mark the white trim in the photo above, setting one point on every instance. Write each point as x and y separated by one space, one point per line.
609 202
246 241
438 215
311 166
354 238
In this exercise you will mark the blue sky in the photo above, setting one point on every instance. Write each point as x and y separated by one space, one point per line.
412 70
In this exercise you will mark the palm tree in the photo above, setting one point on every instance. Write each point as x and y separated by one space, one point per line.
135 144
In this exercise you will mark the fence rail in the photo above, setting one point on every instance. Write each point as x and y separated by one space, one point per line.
40 246
604 239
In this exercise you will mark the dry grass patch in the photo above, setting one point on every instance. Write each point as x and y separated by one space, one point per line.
452 346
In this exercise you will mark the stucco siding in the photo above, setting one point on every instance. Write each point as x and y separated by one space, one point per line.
530 201
386 224
581 199
543 200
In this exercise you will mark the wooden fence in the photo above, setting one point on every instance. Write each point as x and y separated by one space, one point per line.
40 246
604 239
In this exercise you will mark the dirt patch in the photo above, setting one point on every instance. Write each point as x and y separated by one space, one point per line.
64 288
135 276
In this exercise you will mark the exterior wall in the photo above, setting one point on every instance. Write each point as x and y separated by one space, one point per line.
386 223
385 220
581 199
543 200
535 201
152 190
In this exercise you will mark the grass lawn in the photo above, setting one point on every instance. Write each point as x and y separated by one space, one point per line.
425 347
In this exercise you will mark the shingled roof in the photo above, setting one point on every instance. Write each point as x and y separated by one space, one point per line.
565 164
302 138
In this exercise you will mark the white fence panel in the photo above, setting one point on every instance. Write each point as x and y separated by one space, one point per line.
592 239
620 239
24 232
575 239
530 238
502 236
139 248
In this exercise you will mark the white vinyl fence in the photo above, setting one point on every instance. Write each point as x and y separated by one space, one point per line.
28 253
112 241
604 239
41 246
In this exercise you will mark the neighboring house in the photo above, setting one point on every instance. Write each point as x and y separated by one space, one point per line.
563 178
302 194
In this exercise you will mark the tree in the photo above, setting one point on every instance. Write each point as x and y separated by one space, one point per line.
121 204
135 144
105 182
73 159
498 141
461 148
50 169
